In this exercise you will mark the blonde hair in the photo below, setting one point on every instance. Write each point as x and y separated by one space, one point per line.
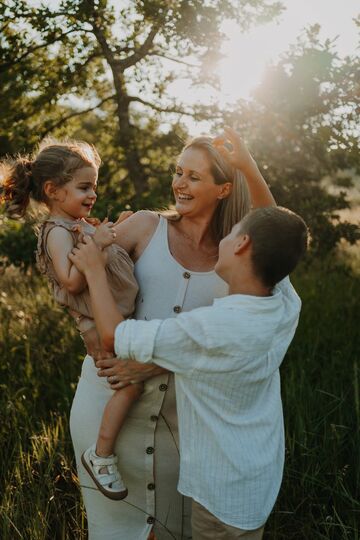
233 208
23 177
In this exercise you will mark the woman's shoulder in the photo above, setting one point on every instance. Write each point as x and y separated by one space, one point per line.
146 217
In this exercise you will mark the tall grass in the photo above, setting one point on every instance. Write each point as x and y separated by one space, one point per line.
40 359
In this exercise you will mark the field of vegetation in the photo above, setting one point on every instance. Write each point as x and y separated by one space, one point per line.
41 360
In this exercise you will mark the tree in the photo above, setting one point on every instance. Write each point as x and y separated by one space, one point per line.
118 61
302 126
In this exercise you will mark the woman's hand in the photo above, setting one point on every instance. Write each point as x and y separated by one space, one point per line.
121 373
239 157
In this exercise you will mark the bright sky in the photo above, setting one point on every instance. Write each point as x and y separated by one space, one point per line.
246 55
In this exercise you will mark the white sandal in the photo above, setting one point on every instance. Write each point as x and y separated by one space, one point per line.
109 483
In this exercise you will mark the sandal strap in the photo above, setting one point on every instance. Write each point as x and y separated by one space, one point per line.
100 461
107 479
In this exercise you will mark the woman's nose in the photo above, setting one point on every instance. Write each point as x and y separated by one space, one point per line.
179 181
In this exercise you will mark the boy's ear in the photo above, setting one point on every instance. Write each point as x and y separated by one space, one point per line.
243 242
225 190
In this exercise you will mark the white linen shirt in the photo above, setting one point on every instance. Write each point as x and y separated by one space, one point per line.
226 358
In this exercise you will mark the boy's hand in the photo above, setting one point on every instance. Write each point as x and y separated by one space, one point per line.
87 257
104 235
239 157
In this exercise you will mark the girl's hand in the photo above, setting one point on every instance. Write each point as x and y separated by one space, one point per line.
121 373
104 235
239 156
94 221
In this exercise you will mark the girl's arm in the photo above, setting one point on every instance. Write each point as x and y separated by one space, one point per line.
59 245
241 159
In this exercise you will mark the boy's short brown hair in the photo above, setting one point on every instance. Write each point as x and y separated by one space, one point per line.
279 238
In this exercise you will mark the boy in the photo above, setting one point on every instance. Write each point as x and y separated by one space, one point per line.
226 358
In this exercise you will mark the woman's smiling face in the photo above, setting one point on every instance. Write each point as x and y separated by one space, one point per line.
195 191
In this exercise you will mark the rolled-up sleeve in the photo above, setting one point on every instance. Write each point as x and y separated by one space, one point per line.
135 340
174 344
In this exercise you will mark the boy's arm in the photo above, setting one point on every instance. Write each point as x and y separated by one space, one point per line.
59 245
91 262
178 344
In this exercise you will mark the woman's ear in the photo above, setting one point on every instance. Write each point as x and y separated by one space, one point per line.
225 190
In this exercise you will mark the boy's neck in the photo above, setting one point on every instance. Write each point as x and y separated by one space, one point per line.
248 286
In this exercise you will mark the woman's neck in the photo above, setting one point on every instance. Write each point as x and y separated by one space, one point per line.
197 231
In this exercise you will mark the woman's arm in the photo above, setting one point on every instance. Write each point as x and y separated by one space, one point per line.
59 245
241 159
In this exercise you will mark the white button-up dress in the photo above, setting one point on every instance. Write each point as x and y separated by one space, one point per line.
147 447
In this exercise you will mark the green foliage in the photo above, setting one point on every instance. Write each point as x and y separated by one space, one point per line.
17 242
301 126
40 361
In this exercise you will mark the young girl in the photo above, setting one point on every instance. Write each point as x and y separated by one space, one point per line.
63 175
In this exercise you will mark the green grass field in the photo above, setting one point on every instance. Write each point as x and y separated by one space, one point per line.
41 360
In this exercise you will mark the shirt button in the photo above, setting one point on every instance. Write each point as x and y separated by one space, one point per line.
150 519
177 309
149 450
163 387
154 418
151 487
186 275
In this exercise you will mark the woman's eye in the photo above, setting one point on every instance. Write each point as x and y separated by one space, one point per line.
194 178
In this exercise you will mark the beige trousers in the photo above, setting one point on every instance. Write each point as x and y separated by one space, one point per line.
205 526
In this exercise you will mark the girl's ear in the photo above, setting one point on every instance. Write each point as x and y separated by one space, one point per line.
225 190
50 189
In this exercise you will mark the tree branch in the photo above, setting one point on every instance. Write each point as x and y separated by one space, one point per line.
6 65
75 113
177 60
143 50
175 110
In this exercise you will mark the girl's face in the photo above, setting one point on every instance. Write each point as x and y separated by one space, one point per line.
195 191
76 198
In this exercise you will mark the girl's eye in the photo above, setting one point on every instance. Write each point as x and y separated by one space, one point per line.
194 178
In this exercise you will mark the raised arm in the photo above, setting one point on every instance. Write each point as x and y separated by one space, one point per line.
240 158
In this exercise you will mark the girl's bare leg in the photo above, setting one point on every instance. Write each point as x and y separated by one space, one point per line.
114 415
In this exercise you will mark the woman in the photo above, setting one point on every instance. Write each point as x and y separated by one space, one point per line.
174 262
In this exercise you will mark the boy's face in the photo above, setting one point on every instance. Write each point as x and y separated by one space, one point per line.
227 255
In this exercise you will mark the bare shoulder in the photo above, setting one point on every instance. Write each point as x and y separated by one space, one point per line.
146 218
134 233
59 238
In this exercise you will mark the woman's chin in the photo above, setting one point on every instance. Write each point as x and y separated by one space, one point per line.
182 209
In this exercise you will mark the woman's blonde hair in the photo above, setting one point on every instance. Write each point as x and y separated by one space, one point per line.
233 208
23 177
